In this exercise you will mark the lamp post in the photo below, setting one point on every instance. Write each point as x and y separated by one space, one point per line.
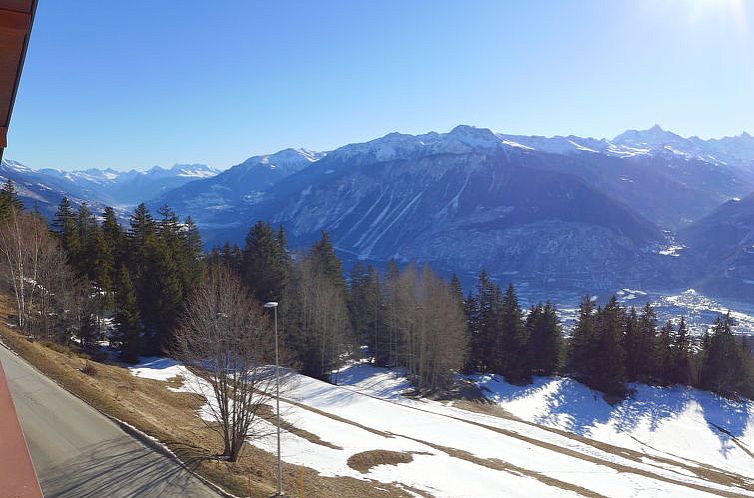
274 306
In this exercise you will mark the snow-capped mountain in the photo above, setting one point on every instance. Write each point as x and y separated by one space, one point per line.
552 211
563 211
44 192
132 187
733 151
238 186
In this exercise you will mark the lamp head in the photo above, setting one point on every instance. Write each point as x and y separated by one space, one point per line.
271 304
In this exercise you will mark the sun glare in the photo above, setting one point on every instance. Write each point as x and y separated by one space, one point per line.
728 11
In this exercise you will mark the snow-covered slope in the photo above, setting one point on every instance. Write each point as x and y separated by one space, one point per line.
554 438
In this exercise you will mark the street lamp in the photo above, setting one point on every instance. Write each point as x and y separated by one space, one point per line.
274 306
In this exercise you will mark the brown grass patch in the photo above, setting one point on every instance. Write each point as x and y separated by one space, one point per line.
267 413
365 460
171 418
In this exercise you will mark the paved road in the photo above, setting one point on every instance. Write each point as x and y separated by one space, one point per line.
80 453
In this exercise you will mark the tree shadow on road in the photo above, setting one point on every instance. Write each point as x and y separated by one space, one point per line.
118 468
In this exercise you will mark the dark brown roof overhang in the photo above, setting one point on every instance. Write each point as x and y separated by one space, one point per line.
16 19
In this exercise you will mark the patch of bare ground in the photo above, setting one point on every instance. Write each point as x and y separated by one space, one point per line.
267 413
365 460
336 418
171 418
497 464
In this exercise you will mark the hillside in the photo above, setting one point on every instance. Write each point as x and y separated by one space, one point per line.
554 438
464 212
723 242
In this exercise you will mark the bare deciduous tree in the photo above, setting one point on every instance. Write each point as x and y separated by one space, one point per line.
226 338
426 327
34 268
317 324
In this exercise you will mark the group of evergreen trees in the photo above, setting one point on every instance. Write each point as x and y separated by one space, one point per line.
506 343
611 346
140 275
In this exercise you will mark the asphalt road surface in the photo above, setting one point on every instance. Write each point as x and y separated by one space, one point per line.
80 453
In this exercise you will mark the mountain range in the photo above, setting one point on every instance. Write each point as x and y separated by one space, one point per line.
648 208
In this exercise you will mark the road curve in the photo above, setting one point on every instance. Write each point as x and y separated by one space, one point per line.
78 452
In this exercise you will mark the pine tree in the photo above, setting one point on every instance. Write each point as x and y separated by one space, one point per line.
512 348
608 375
647 353
142 226
86 224
142 229
114 236
665 355
100 265
635 356
327 262
9 199
485 312
582 346
265 263
546 339
65 225
192 255
723 360
681 365
128 324
160 295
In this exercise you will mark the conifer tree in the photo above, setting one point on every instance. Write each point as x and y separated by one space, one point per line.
647 352
160 295
512 348
142 229
9 199
582 343
681 364
128 324
100 264
608 375
486 327
327 262
665 355
546 339
723 361
114 236
86 224
633 346
264 263
65 225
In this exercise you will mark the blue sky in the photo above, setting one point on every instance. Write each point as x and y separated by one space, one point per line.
131 84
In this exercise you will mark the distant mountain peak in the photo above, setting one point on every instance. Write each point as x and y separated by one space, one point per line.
290 159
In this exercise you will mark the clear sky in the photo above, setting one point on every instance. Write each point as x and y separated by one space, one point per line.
131 84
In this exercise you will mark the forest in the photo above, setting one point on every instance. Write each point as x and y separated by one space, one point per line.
86 279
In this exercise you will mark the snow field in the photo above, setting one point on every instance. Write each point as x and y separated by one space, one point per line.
457 453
